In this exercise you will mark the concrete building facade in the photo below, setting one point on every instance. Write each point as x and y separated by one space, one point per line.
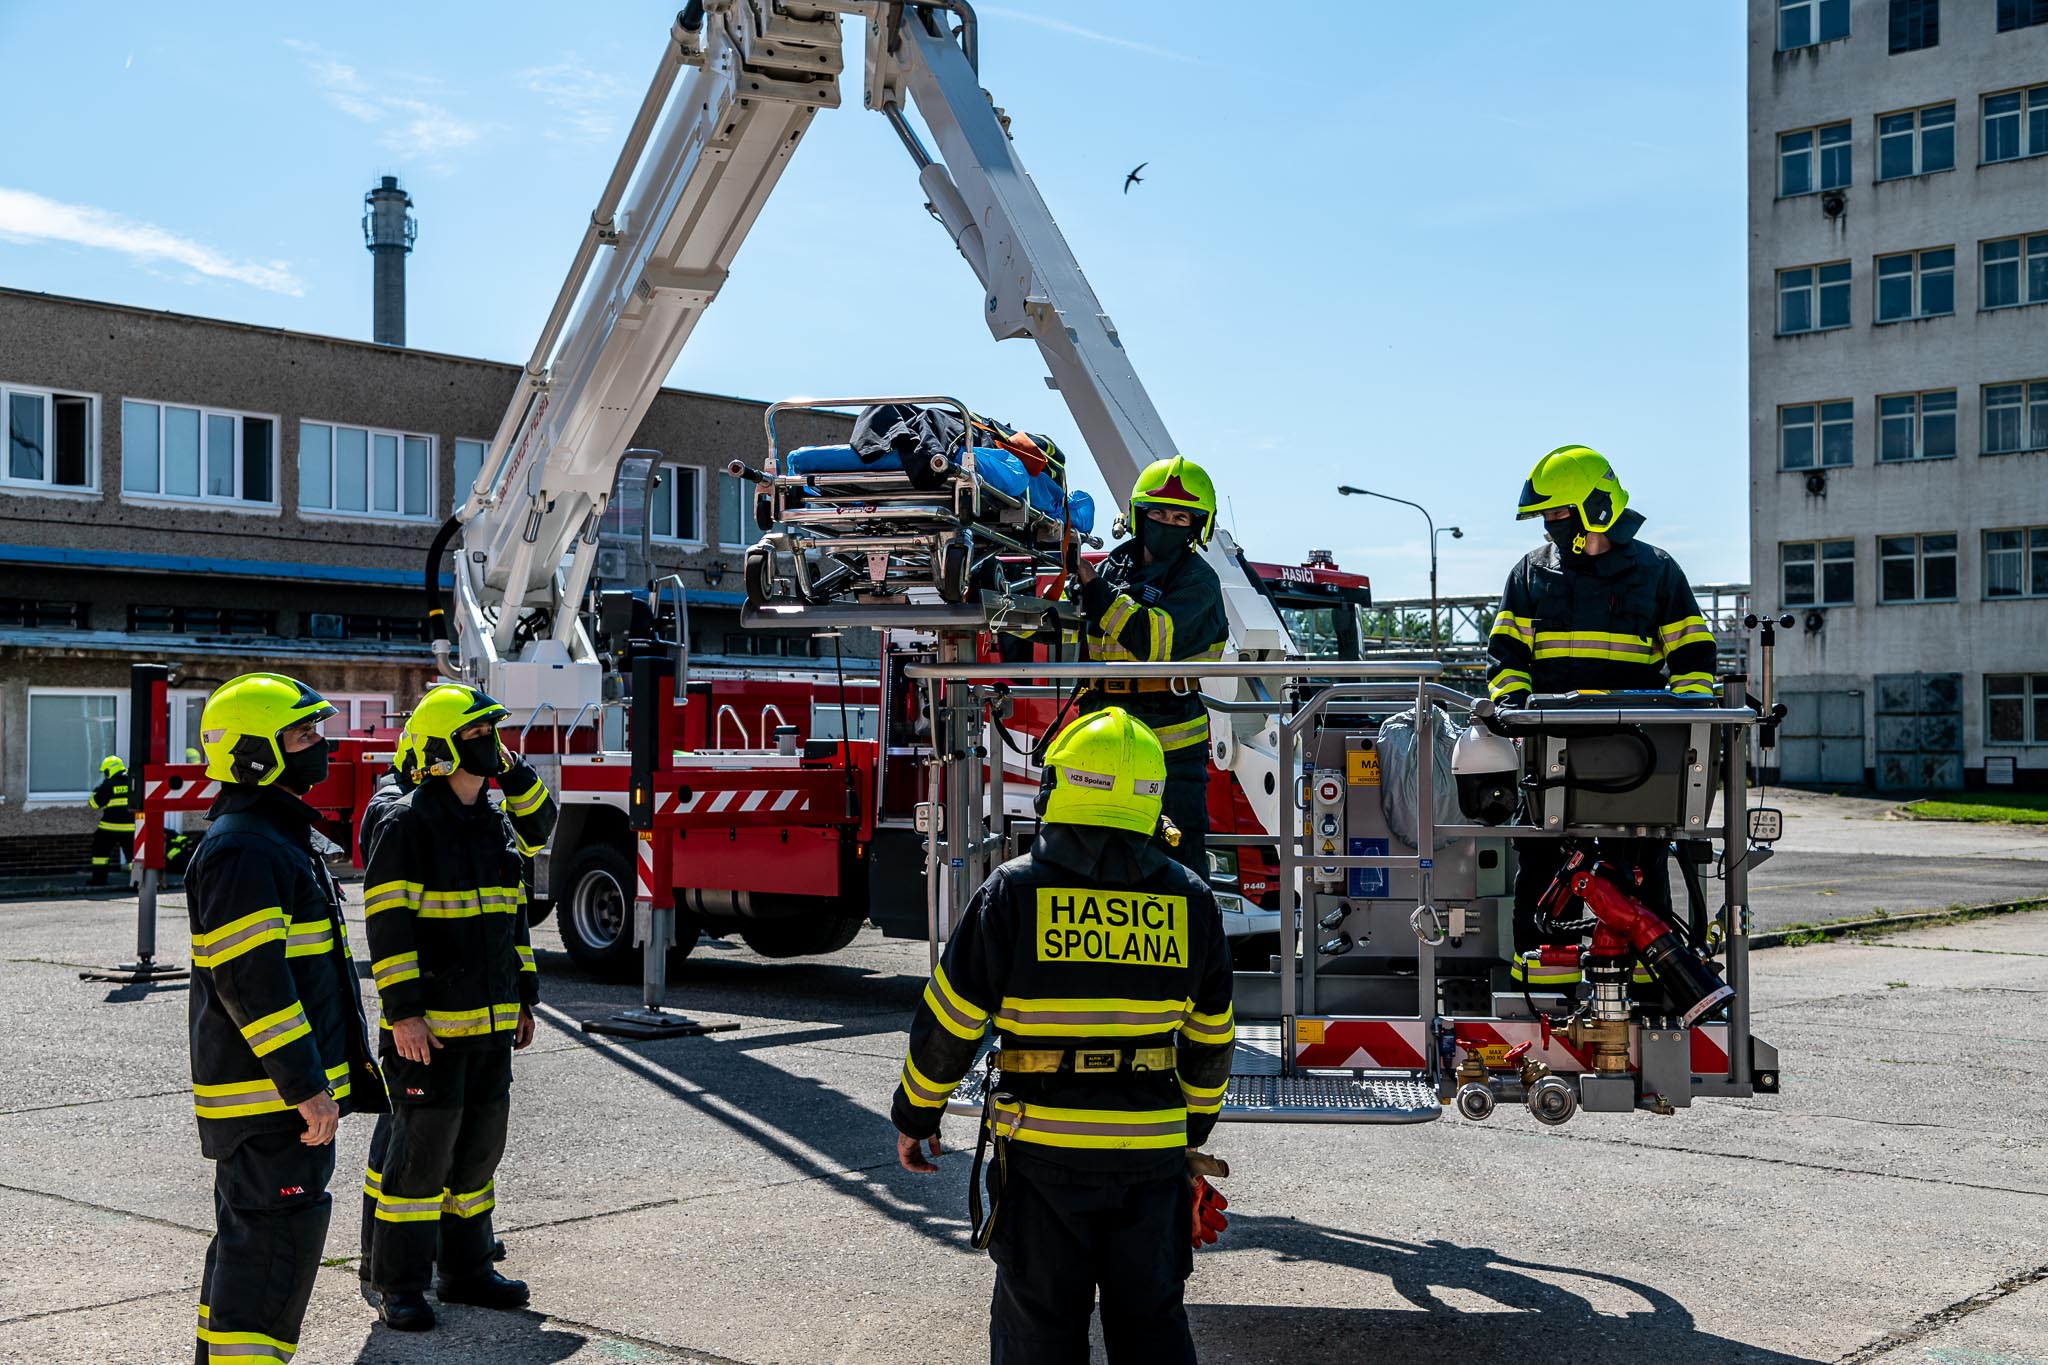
225 498
1898 216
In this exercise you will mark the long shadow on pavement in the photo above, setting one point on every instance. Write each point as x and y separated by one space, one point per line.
474 1335
1559 1315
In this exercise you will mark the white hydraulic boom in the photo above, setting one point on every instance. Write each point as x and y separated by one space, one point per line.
679 203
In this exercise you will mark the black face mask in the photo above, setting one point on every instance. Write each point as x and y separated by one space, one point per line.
1162 541
1568 533
307 768
483 756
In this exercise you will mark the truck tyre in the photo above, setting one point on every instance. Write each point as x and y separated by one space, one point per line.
801 936
596 914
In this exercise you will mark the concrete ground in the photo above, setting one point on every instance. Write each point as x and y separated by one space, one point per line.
1843 857
734 1197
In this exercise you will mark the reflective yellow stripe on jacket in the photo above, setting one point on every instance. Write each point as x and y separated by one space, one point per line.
1088 1018
1103 1129
468 1023
955 1015
240 1099
231 940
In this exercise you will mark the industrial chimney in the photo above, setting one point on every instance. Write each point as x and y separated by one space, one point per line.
388 231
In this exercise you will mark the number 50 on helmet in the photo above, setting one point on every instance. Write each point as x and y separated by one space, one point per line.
1104 769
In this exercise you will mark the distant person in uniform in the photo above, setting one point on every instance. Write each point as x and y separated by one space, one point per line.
114 837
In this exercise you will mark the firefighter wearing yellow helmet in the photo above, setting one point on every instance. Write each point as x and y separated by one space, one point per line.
1155 600
1101 965
444 901
113 838
1594 608
279 1051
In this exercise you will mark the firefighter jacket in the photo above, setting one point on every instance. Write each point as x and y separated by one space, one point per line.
276 1015
1092 942
111 799
445 904
1156 613
1620 621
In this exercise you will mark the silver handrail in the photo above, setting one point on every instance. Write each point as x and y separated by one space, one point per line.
1235 668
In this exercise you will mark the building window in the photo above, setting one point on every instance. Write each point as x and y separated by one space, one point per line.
34 614
1799 172
359 715
198 454
1916 426
734 515
2016 708
361 472
1915 24
2016 562
2015 417
2014 14
1916 142
2016 124
2015 271
1802 23
1916 568
675 505
1810 430
1818 573
49 439
1916 284
1813 298
469 462
146 619
402 629
70 729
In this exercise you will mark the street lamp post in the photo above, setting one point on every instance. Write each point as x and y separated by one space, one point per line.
1456 534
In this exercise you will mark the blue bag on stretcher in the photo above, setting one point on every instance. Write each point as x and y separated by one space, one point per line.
998 469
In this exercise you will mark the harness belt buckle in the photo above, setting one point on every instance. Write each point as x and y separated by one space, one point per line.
1114 684
1086 1063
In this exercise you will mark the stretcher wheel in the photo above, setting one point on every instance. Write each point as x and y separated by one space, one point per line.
755 574
764 511
951 571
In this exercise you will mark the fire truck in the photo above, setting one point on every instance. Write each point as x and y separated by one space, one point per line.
1392 990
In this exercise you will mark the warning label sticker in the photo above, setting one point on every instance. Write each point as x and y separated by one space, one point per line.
1077 924
1362 767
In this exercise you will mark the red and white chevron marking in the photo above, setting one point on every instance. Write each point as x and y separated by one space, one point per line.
189 796
789 799
1401 1045
1362 1044
644 881
1496 1036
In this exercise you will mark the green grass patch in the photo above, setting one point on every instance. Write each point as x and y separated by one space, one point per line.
1984 808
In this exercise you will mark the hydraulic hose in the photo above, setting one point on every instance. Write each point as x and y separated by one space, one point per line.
437 616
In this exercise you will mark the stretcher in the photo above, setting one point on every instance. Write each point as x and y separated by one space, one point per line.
839 525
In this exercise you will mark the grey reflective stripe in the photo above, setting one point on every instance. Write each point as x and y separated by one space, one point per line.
939 1002
282 1026
267 1095
384 975
470 1205
305 932
1034 1122
1165 1017
1617 648
912 1084
227 945
390 1203
246 1350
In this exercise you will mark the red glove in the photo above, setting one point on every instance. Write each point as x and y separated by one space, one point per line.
1208 1213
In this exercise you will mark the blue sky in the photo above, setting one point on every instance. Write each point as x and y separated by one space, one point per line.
1404 246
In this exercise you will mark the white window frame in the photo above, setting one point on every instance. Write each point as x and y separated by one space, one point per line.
670 489
1918 420
1813 10
46 486
1916 274
2033 541
1813 289
1815 158
460 490
233 503
370 435
1818 424
1916 138
2033 135
40 799
348 708
743 520
2032 687
1919 540
2033 393
1819 560
2026 248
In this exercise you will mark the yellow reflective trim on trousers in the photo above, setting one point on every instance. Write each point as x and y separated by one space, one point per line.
391 896
1104 1017
922 1091
1515 627
113 827
1100 1129
472 1204
231 940
1183 734
958 1017
393 1208
373 1182
273 1031
246 1345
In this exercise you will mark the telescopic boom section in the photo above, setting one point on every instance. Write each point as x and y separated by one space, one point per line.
648 269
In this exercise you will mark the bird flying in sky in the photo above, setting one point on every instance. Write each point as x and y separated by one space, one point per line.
1133 178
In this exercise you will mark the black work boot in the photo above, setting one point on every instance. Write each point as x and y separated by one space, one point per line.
406 1310
488 1290
498 1249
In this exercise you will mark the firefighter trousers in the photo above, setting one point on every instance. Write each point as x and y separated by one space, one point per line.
1057 1245
430 1185
106 844
1186 803
1537 862
271 1209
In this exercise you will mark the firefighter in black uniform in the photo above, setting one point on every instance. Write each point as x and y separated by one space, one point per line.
115 832
1155 600
445 905
1592 609
279 1051
1102 965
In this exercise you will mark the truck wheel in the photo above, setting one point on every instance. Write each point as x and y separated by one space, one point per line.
596 918
802 936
